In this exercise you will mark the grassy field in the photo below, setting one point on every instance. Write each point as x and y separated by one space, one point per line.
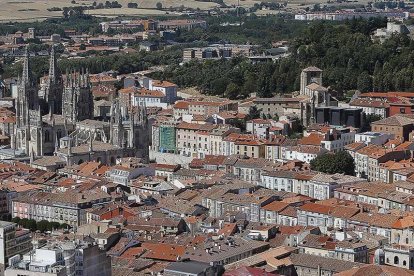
32 10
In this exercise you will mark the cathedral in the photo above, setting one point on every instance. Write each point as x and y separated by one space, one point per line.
55 119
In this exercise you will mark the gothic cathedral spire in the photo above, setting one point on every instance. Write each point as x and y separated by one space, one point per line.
27 75
53 74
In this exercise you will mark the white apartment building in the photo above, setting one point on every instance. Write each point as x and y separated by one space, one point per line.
375 138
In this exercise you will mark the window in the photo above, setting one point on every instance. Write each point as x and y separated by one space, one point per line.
404 263
47 136
396 260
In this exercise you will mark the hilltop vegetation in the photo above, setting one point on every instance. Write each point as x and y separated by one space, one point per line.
344 50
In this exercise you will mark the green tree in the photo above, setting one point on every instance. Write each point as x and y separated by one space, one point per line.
133 5
340 162
364 82
54 225
378 76
24 222
16 220
254 113
65 226
158 6
232 91
31 225
368 120
43 226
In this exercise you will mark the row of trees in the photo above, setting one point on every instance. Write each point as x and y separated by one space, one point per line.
55 26
123 63
41 226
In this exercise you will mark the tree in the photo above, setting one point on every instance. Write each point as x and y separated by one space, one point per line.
232 91
31 225
82 47
159 6
133 5
16 220
368 120
254 113
64 226
364 83
340 162
23 222
43 226
54 225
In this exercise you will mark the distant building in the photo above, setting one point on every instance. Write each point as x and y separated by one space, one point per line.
186 24
348 15
218 51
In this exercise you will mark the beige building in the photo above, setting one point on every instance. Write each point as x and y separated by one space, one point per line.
276 105
193 139
250 148
402 231
210 108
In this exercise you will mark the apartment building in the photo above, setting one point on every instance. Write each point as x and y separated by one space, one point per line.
271 106
372 106
369 158
186 24
249 169
322 186
61 259
63 207
193 139
399 256
123 175
376 138
341 250
168 89
13 241
209 108
295 180
273 148
221 252
217 137
336 139
129 25
304 153
399 125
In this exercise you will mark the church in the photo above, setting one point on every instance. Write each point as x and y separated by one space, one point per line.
54 120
